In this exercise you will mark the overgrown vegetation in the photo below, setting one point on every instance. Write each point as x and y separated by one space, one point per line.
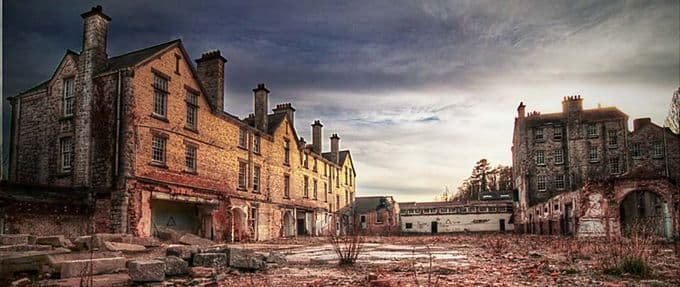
631 254
348 247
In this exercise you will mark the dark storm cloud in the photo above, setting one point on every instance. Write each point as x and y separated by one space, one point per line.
386 74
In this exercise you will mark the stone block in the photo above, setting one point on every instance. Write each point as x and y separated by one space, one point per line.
14 239
217 260
36 261
123 247
275 257
55 241
146 270
185 252
76 268
24 247
174 265
55 260
168 234
193 239
201 272
245 259
144 241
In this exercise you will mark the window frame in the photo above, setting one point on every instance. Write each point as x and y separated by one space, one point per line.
161 93
286 186
243 138
66 154
540 157
68 96
658 149
188 150
612 138
257 144
559 156
593 154
286 152
191 110
541 183
257 178
159 145
539 134
614 165
560 182
636 150
591 130
558 135
305 187
242 183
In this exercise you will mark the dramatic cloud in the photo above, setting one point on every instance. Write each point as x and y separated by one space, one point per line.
418 90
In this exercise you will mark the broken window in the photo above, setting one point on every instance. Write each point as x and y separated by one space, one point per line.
252 221
160 95
557 133
66 147
286 152
158 150
256 144
379 217
409 225
286 186
69 94
242 169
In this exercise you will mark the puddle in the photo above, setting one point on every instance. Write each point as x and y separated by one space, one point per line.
377 253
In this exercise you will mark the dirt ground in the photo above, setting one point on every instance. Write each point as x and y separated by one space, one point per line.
460 260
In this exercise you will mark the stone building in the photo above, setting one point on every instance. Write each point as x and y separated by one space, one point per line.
456 216
581 171
374 215
146 135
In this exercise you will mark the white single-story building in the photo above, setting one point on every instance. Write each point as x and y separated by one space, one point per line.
447 217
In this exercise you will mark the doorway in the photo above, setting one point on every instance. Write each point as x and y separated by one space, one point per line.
502 225
434 227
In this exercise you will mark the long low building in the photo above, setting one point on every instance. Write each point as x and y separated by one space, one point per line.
448 217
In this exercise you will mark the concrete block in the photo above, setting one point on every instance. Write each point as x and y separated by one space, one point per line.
123 247
217 260
146 270
77 268
174 265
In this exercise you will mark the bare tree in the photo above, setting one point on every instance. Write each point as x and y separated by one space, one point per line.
673 117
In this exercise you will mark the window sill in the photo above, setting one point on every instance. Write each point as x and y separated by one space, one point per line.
257 153
158 164
657 157
540 164
190 172
539 140
594 161
64 173
610 146
241 189
559 163
286 164
256 191
191 129
160 117
243 148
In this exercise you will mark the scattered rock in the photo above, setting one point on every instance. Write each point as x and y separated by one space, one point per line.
167 234
28 261
185 252
143 241
217 260
245 259
14 239
201 272
535 254
318 261
124 247
77 268
275 257
174 265
193 239
54 241
24 247
146 270
21 282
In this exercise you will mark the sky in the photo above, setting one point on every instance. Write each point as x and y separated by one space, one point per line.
417 90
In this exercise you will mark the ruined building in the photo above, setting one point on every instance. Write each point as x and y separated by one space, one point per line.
456 216
373 215
581 171
144 140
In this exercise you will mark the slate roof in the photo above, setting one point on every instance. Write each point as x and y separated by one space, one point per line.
329 156
273 121
367 204
591 115
38 87
133 58
436 204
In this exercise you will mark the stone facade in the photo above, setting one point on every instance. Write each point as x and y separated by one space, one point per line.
559 157
218 175
374 215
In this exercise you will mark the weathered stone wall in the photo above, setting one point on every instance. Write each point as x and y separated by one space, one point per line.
45 219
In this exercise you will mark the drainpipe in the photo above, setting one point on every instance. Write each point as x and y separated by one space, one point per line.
665 153
117 137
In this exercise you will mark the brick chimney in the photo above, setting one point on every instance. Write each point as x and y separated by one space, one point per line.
335 147
572 105
210 69
639 123
316 136
288 109
521 110
261 95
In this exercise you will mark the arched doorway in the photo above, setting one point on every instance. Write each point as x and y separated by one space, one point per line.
288 224
643 211
238 225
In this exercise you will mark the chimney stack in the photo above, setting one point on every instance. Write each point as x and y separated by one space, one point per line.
335 147
521 110
210 70
639 123
261 107
316 136
288 109
572 105
95 27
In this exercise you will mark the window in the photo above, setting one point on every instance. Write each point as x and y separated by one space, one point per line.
242 169
306 187
315 162
657 149
559 156
559 181
351 176
337 177
538 133
379 218
614 167
316 195
286 152
540 157
636 151
346 176
592 130
325 192
160 95
256 144
192 109
286 186
242 138
362 218
69 95
252 221
325 169
66 147
306 160
541 183
256 178
158 149
190 158
593 154
612 138
557 133
177 58
409 225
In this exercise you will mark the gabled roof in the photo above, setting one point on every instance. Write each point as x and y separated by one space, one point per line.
133 58
366 204
45 83
273 122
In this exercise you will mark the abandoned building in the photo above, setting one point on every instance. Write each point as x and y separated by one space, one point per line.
582 172
456 216
144 140
373 215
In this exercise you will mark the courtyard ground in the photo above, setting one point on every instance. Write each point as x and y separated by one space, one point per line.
462 260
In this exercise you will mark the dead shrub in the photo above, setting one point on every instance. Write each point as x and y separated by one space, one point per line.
347 247
630 254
